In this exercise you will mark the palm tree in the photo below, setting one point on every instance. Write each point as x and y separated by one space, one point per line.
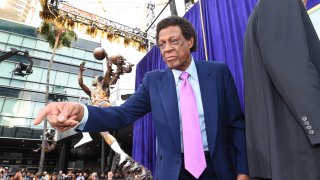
57 36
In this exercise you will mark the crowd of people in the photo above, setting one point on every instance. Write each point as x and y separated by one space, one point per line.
14 173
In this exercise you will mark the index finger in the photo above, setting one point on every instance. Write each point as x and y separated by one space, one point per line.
41 115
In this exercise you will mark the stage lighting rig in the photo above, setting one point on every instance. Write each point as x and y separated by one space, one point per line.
21 69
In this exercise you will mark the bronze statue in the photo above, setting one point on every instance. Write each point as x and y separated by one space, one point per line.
100 91
99 94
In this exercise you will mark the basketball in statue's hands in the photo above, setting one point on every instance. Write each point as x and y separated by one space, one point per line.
99 53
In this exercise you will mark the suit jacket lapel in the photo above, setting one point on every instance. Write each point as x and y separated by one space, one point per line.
209 95
167 89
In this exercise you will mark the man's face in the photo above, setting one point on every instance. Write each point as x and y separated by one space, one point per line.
175 49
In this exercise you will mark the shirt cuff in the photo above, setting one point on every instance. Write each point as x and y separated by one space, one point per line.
82 123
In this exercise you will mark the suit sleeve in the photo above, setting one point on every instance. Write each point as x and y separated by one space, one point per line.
236 122
286 55
115 117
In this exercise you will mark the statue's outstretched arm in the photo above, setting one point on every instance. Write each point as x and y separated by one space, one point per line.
80 80
107 75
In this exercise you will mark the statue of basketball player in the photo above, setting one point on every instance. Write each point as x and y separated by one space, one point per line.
100 93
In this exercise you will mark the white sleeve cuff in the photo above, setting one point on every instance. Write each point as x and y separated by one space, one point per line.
84 119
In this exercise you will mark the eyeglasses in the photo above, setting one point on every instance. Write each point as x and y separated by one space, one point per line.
171 42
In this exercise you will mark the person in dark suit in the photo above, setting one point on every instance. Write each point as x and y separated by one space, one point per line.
282 92
219 116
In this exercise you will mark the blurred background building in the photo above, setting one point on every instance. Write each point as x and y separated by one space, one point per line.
22 97
16 10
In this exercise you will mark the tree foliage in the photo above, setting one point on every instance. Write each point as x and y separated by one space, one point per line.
49 31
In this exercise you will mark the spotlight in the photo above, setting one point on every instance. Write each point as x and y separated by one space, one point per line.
21 69
18 71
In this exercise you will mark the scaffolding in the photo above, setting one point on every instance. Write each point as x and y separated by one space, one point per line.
69 16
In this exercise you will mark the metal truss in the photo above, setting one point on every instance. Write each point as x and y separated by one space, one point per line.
73 14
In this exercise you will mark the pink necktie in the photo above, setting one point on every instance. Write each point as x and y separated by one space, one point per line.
194 157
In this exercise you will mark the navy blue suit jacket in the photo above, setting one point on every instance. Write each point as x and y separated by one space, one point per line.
224 119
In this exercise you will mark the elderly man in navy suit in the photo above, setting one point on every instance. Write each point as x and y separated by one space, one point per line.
197 98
